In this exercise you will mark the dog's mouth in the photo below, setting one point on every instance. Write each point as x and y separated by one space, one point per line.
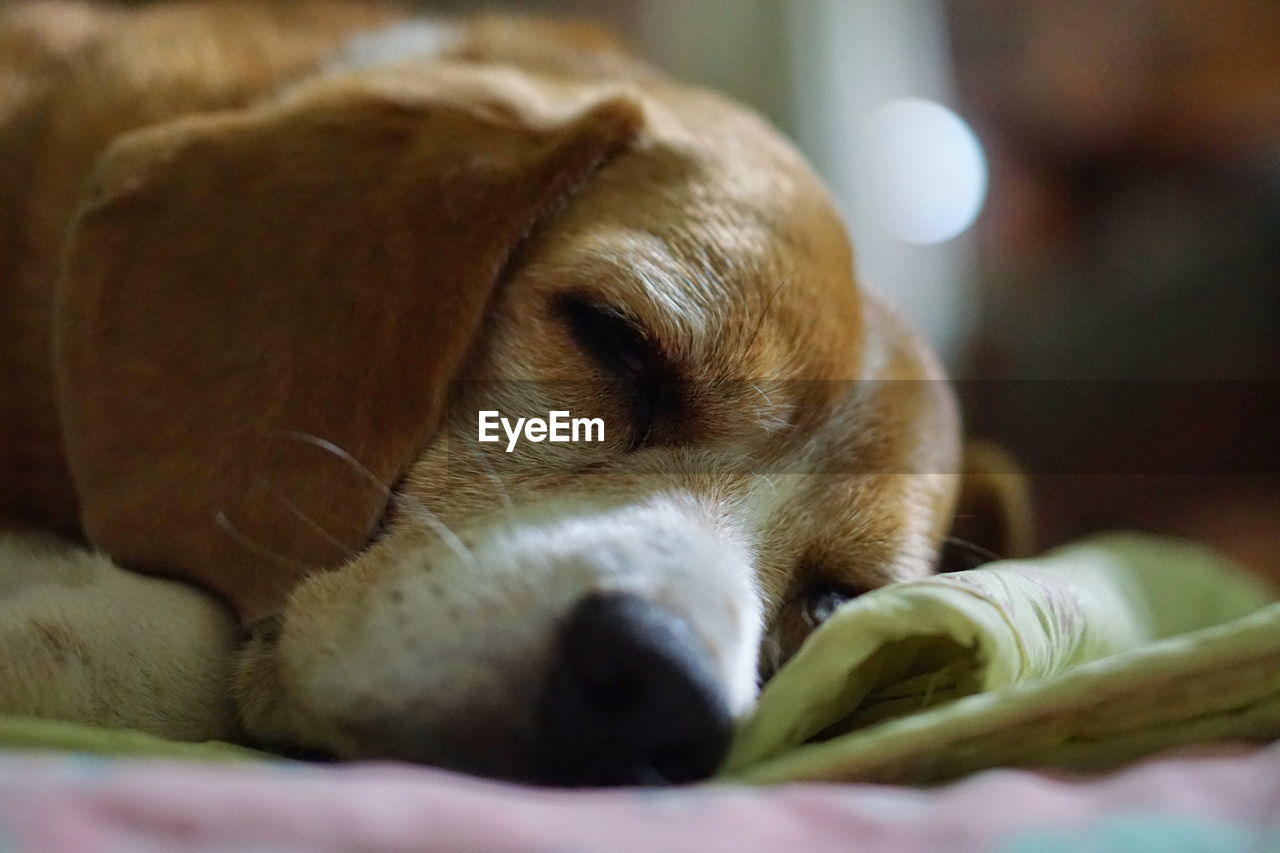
628 695
382 524
392 509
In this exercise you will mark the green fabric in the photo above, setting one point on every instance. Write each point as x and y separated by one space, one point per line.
27 733
1094 654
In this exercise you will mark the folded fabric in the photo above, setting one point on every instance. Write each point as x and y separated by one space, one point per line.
1094 654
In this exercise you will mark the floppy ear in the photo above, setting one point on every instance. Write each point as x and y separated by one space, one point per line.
993 517
245 289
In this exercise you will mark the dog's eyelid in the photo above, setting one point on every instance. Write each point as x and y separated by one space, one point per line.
590 317
625 349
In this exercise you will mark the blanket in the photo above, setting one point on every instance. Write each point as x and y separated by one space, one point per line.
77 804
1092 655
1095 654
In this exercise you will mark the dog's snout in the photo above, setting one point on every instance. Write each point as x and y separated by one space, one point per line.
631 698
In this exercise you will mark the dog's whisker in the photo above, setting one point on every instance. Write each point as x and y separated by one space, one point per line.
764 313
258 548
767 479
973 548
335 450
492 474
302 516
413 507
423 515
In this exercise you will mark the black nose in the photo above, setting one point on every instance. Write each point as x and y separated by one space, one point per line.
631 698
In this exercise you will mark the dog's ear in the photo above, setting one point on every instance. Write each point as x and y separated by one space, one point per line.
993 516
247 290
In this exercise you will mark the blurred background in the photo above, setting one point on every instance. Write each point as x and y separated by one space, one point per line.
1077 200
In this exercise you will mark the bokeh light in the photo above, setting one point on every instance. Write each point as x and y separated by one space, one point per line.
924 169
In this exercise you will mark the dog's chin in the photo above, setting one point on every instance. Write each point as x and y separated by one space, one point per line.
477 743
527 740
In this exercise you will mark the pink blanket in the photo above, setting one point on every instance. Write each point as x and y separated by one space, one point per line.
73 803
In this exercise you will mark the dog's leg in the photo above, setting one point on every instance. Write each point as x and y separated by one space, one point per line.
85 641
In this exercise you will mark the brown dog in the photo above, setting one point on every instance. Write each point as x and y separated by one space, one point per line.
308 243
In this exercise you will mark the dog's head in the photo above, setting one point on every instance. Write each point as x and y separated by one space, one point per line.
277 326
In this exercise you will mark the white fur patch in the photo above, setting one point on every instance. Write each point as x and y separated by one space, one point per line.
468 628
420 38
86 641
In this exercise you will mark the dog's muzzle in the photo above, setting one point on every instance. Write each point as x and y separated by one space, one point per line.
631 698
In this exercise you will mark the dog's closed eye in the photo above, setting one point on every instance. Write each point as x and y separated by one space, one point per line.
632 360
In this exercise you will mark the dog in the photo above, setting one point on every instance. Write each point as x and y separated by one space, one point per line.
263 263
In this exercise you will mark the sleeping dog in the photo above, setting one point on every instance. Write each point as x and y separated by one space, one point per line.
262 264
